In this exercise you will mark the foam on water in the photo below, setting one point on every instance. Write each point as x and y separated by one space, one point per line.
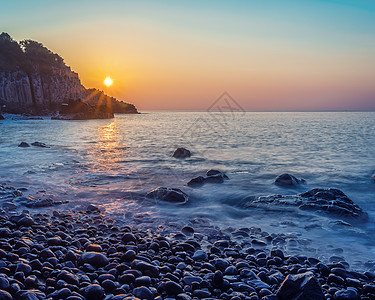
116 162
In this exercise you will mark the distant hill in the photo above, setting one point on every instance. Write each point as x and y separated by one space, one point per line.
34 80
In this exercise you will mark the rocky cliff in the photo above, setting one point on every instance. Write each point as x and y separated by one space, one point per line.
35 80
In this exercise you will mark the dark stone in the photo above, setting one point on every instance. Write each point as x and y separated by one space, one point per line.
4 283
108 285
142 281
172 288
25 268
200 255
4 295
128 238
197 181
95 259
181 153
94 248
93 292
143 293
2 117
146 268
25 221
92 208
301 286
68 277
39 144
23 145
330 201
349 294
30 295
168 195
287 180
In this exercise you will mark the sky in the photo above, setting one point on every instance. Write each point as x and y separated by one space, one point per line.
268 55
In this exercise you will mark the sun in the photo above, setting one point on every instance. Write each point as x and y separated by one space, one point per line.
108 81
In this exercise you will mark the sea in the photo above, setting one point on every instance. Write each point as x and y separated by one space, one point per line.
114 163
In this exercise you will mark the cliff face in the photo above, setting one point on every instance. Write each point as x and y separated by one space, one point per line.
35 80
23 93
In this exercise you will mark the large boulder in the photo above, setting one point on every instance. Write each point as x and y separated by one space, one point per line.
168 195
331 201
181 153
300 287
287 180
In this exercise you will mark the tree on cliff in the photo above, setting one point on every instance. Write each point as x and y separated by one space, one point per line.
12 58
40 56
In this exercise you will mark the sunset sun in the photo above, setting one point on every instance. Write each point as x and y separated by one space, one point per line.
108 81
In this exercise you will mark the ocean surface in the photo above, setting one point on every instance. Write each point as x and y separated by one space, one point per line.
114 163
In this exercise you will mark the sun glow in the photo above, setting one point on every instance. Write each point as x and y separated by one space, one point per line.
108 81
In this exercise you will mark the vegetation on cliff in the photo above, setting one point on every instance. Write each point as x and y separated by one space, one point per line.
35 80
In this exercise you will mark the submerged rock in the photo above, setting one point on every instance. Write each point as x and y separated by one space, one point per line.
23 145
181 153
330 201
31 202
1 117
168 195
212 176
39 144
288 180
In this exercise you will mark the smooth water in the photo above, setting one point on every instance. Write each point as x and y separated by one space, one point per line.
116 162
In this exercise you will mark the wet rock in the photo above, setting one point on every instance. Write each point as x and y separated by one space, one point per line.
301 286
349 294
330 201
200 255
143 293
212 176
93 292
197 181
30 295
95 259
172 288
287 180
92 208
146 268
39 144
23 145
168 195
4 295
181 153
68 277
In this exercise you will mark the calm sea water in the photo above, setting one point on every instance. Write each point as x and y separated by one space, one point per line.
115 162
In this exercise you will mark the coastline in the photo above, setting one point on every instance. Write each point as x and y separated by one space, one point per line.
86 254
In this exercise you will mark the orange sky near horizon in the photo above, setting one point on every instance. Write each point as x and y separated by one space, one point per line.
309 55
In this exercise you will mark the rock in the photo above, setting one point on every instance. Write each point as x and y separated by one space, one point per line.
23 145
4 232
172 288
181 153
30 295
168 195
4 295
147 269
212 176
91 208
200 255
25 268
330 201
128 238
2 117
4 284
39 144
287 180
95 259
349 294
143 293
25 221
196 181
68 277
93 292
301 286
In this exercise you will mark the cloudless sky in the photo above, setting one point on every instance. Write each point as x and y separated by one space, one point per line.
181 55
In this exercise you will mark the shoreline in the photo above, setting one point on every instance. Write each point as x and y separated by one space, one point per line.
168 260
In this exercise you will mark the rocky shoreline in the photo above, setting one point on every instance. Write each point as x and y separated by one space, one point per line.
87 255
